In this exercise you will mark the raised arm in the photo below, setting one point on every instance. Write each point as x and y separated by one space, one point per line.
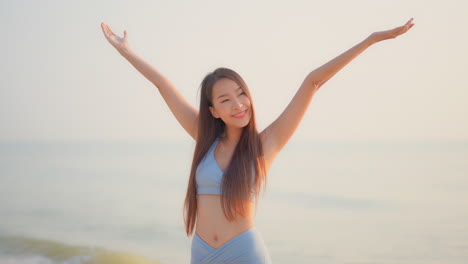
276 135
185 113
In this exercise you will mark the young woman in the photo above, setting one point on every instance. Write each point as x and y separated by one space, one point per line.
231 158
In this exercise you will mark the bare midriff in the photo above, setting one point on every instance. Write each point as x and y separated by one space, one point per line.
213 226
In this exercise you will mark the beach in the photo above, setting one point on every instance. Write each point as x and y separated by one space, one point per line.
326 202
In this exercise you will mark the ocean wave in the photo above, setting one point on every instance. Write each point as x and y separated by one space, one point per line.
26 250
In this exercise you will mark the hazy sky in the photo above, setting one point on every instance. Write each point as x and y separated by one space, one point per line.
62 80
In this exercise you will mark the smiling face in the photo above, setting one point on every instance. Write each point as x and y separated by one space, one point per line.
230 103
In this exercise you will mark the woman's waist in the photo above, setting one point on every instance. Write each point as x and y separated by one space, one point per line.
213 224
220 224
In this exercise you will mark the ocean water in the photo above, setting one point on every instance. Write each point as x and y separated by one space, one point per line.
326 202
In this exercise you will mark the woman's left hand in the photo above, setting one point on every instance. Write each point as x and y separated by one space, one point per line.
392 33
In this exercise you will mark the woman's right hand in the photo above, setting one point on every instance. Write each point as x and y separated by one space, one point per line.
392 33
121 44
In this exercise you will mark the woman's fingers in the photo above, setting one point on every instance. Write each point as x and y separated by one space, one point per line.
403 29
105 31
110 36
393 33
110 30
120 43
409 21
409 24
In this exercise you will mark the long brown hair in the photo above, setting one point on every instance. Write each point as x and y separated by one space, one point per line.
237 183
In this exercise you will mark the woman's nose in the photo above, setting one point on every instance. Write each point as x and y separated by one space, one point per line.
238 104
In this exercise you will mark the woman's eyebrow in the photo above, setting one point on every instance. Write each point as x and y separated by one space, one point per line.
226 94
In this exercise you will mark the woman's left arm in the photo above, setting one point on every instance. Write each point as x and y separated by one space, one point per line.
276 135
324 73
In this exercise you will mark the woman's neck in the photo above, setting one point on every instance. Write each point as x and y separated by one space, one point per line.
231 136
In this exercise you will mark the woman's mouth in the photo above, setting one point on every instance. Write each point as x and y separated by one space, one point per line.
240 115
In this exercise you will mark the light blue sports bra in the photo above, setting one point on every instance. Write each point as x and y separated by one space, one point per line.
209 175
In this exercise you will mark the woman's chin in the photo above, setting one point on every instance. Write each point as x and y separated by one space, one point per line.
238 124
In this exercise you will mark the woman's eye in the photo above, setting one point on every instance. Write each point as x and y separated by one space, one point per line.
243 93
224 100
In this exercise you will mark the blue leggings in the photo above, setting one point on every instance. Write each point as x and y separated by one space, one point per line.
247 248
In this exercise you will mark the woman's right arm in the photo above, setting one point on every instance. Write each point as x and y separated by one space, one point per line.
185 113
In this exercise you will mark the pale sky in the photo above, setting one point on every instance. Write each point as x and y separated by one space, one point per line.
62 80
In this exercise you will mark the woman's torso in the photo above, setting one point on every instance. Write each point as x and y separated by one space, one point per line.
212 225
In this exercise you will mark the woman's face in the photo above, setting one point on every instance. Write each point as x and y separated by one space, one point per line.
230 103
